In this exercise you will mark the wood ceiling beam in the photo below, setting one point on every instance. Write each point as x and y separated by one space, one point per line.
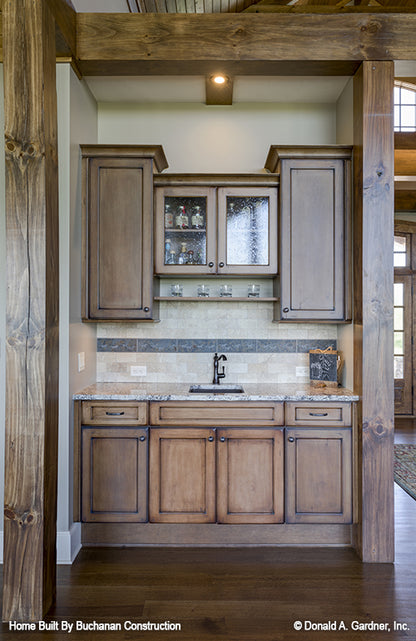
126 44
65 26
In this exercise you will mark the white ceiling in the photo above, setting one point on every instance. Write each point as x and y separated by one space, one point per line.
191 89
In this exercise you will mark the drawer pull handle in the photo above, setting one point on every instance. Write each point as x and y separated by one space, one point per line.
210 438
142 438
222 439
115 413
317 414
291 439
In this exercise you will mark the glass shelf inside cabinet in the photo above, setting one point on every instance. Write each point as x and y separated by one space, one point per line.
185 230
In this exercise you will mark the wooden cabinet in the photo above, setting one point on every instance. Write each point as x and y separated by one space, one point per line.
114 474
315 267
318 483
212 229
182 475
250 475
198 476
118 231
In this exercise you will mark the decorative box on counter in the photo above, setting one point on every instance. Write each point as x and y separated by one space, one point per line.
325 367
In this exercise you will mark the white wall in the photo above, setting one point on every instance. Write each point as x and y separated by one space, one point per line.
345 137
201 138
77 123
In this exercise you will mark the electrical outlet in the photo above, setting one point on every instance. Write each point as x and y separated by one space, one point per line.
302 371
81 361
138 370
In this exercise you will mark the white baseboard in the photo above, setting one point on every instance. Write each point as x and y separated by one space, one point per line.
68 544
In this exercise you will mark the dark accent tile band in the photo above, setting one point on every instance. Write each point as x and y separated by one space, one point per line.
204 345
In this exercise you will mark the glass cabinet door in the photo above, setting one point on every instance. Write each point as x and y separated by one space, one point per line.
185 230
247 230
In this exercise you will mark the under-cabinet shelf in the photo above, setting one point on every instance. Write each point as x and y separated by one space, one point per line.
223 299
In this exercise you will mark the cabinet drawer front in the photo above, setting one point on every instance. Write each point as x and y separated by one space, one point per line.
114 413
215 413
316 414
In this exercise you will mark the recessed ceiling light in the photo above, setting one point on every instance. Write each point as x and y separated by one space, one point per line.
219 79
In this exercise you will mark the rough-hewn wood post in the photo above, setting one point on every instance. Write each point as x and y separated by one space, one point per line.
32 309
373 306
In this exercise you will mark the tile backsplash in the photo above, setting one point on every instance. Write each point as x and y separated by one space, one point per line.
181 346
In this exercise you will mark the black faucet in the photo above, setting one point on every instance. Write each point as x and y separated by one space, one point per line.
218 375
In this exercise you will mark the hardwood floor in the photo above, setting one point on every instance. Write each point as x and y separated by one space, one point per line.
240 594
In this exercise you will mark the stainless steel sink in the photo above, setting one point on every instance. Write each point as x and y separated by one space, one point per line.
216 389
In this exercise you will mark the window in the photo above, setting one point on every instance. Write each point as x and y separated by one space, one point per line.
404 108
401 258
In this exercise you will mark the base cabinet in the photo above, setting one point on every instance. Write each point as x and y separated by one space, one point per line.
114 474
202 475
250 475
182 475
318 475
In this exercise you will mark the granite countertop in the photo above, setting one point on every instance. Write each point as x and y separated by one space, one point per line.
180 392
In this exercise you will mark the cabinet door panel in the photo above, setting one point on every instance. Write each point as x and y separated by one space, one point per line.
182 475
247 230
114 475
318 476
250 476
312 239
197 204
119 248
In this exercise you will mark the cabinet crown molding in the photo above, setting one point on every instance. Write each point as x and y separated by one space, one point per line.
155 152
280 152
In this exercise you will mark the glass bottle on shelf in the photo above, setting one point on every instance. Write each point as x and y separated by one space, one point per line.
182 219
190 260
183 256
197 219
168 217
167 250
172 257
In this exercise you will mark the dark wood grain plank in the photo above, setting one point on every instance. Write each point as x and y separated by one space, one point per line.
104 39
373 306
32 309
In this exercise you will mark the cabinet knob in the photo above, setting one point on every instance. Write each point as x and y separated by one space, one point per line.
147 309
211 264
221 264
291 439
285 309
210 438
222 439
142 438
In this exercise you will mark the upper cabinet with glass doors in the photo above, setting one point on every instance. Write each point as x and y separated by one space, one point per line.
216 229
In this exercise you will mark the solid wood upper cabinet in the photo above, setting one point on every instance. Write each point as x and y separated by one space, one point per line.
114 474
250 475
318 475
211 229
118 231
315 265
